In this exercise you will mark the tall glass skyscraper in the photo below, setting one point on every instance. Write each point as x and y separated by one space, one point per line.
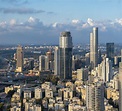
110 50
94 47
65 46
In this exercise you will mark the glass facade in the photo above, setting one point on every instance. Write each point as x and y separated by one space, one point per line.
65 63
65 58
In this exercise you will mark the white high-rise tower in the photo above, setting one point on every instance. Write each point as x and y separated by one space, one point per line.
94 47
107 72
56 61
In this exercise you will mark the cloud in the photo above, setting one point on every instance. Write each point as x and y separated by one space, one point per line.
20 10
75 21
34 31
12 22
90 22
119 21
55 25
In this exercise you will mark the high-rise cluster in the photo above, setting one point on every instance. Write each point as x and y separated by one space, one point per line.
87 80
59 62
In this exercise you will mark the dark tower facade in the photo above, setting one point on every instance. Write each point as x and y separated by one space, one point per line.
65 46
110 50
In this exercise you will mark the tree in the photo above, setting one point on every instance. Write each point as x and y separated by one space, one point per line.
8 108
1 106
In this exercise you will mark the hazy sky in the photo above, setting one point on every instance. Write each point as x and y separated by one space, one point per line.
41 21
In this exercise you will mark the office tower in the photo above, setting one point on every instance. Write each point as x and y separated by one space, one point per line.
42 63
110 51
50 55
49 61
31 64
20 56
76 62
95 97
94 48
116 82
46 63
73 62
99 57
115 60
56 61
82 74
121 55
120 85
87 59
107 72
65 55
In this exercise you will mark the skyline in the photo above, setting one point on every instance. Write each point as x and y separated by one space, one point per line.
41 21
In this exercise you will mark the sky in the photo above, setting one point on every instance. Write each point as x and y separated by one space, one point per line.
42 21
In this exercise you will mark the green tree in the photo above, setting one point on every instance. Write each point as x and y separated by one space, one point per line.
1 106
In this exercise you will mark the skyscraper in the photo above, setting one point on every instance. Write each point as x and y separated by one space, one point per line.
110 51
94 47
106 71
120 84
20 56
42 63
49 61
65 55
99 57
56 61
95 97
121 55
